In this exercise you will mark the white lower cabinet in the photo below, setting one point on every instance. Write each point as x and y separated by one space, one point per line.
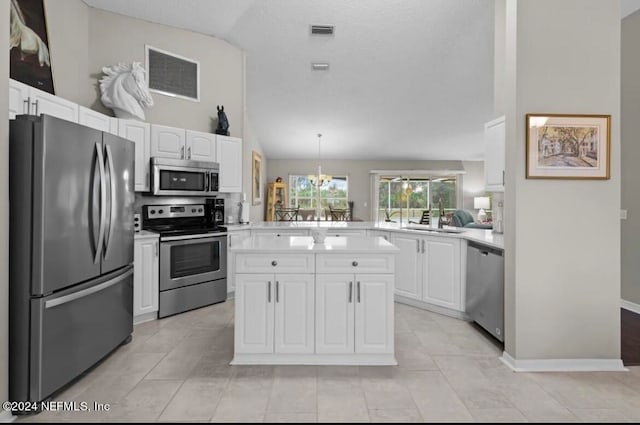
410 265
145 277
354 313
280 232
233 238
323 316
429 270
442 281
274 313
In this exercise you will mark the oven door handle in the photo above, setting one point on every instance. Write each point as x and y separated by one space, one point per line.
186 237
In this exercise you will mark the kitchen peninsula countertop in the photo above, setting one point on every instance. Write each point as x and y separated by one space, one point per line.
305 244
481 236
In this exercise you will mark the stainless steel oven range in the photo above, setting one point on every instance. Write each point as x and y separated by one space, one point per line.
193 256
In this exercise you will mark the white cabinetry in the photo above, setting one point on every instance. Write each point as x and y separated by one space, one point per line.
280 232
178 143
442 282
145 278
229 155
347 232
410 263
354 313
140 133
274 313
201 146
429 270
233 238
494 156
96 120
168 142
24 99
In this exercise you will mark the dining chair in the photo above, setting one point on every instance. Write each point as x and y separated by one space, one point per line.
286 214
340 214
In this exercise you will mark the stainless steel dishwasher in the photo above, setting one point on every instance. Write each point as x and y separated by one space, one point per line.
485 288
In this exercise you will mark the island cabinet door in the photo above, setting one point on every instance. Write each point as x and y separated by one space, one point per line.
335 313
409 264
294 320
374 313
254 313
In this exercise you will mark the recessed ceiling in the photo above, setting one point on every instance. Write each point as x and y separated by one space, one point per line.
408 79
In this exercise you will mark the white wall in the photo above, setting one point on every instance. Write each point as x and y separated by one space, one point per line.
630 128
67 31
4 210
356 170
115 38
562 237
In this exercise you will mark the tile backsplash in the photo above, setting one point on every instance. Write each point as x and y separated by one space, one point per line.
231 202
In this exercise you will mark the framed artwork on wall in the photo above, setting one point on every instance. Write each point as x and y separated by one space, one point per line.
568 146
256 178
29 56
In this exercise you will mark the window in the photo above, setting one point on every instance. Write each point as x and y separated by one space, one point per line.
305 195
403 198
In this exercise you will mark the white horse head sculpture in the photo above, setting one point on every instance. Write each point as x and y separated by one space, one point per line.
125 90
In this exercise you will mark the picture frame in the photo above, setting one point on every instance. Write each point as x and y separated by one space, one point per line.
31 66
256 178
568 146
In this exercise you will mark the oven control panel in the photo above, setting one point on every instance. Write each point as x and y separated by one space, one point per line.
173 211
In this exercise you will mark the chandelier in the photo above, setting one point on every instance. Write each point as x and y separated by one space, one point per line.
318 180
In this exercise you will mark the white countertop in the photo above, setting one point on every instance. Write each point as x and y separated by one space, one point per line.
304 244
145 234
481 236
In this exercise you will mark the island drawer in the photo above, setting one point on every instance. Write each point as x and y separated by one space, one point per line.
274 263
355 263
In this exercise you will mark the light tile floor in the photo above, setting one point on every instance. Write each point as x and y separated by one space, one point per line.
177 369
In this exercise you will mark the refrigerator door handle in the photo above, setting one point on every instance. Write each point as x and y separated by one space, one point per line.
86 292
112 205
103 201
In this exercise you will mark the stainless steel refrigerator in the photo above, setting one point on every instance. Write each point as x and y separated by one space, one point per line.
71 251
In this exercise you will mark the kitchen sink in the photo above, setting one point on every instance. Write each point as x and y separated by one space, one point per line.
434 229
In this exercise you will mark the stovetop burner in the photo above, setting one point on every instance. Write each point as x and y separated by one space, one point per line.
180 220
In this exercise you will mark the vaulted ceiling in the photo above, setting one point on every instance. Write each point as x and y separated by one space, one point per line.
408 79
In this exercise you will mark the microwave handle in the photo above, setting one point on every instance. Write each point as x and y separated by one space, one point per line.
206 182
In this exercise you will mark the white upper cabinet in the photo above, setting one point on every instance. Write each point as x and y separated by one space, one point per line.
140 133
168 142
24 99
19 102
96 120
229 155
201 146
494 156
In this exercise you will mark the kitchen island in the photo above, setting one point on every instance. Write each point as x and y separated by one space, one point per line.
300 302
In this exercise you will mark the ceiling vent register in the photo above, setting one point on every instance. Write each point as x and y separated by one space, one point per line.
322 29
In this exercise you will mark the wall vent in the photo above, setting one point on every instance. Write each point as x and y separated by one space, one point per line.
322 29
172 75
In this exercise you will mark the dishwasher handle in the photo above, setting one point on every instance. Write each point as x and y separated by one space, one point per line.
486 250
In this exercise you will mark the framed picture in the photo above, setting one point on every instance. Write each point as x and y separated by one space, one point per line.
568 146
29 57
256 178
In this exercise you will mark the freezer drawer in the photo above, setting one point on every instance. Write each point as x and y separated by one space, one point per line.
485 288
72 330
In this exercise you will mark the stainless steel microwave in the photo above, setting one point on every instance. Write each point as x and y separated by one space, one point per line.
180 177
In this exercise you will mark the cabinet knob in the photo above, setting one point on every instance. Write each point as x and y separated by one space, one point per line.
354 264
274 263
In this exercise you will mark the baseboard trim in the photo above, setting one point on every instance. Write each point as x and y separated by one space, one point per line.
146 317
430 307
6 416
628 305
563 365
